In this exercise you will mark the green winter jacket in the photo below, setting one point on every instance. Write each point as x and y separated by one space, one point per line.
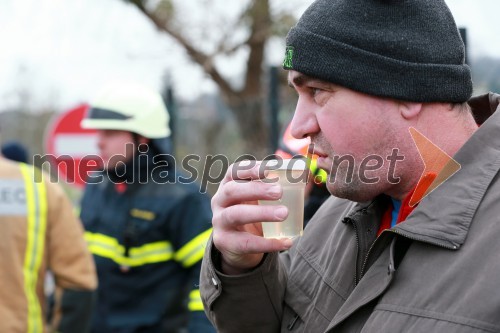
439 271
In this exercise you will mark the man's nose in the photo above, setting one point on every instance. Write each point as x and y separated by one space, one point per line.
304 122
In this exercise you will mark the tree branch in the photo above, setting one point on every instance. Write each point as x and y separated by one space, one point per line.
205 61
260 30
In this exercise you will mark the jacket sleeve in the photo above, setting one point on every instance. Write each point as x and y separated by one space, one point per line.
71 264
193 230
251 302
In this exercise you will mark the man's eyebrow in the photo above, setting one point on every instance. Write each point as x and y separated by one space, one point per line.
302 79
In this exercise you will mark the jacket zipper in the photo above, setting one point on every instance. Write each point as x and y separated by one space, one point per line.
367 255
292 323
349 220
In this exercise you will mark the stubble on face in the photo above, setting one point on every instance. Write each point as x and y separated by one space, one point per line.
344 171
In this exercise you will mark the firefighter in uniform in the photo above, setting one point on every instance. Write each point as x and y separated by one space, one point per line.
39 232
146 229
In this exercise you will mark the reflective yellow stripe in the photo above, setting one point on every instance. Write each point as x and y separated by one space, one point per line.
193 251
108 247
36 202
195 303
321 175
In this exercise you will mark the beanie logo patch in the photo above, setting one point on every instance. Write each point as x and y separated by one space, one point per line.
287 63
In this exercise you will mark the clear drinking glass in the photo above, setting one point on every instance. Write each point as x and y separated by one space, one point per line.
292 176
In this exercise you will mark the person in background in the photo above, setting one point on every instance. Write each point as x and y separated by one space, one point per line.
39 233
15 151
146 230
408 241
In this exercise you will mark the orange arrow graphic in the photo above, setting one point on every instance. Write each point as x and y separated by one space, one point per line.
439 166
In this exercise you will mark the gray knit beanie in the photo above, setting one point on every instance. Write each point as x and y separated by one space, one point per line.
404 49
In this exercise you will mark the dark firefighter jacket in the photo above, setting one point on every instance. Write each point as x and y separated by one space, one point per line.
148 241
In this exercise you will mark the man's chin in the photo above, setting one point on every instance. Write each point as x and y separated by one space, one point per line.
350 192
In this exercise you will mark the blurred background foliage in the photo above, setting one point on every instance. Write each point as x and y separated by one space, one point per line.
250 31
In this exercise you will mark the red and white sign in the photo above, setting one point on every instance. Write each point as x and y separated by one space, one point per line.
73 150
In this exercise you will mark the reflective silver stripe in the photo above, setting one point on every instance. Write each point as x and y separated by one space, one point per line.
12 197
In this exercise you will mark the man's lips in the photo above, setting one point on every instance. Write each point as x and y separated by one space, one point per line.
313 150
323 161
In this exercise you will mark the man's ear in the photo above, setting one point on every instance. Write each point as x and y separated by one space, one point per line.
410 110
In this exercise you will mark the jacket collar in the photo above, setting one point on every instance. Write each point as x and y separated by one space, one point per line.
444 216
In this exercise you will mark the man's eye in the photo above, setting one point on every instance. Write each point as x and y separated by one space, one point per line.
315 91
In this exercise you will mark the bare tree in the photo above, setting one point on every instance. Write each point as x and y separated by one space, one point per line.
247 102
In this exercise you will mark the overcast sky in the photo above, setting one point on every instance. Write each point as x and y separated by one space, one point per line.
57 52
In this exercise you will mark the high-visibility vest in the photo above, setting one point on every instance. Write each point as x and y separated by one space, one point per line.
38 232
